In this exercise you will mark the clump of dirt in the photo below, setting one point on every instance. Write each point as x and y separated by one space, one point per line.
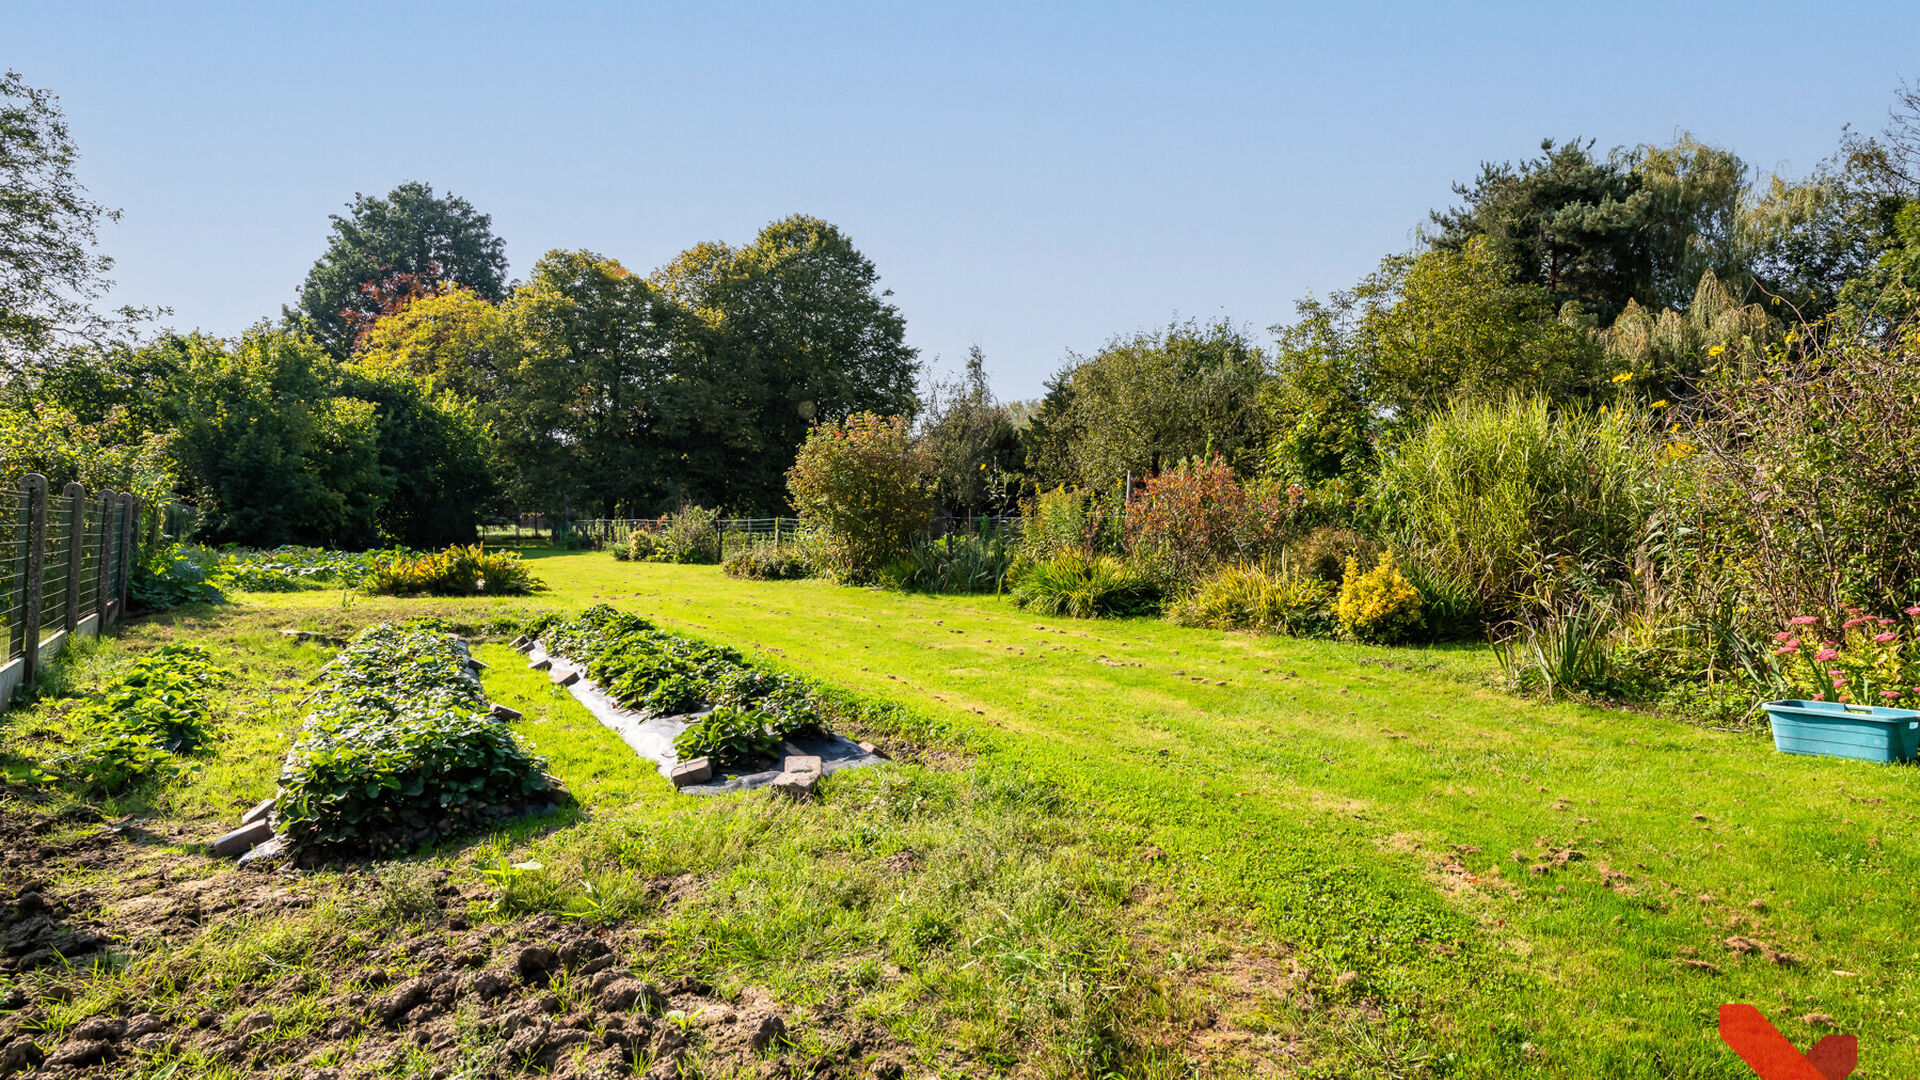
527 996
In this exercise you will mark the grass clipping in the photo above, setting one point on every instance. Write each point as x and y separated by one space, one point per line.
400 751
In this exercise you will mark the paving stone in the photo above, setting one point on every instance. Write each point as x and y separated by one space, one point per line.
869 748
565 676
258 813
525 644
797 786
803 763
696 771
243 839
501 712
274 847
541 664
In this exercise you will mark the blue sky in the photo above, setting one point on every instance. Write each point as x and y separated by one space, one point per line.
1033 178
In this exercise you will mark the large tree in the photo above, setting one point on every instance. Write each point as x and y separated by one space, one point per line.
388 251
1639 224
601 393
1146 401
50 274
970 438
1420 331
796 329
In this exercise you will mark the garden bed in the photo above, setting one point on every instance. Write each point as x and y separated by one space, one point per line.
400 750
673 700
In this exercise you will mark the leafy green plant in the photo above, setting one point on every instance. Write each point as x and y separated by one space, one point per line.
1378 605
292 568
399 750
731 736
660 674
1084 587
1259 598
461 570
129 732
176 574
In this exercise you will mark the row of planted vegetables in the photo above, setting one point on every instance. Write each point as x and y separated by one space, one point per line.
402 748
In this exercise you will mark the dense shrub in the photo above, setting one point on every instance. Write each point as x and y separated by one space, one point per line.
1324 552
1259 598
639 546
766 562
690 536
160 707
864 487
1073 519
1528 504
457 571
1378 605
1807 481
1197 516
399 750
952 564
1084 586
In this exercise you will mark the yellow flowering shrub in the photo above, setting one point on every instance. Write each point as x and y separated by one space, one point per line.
1379 605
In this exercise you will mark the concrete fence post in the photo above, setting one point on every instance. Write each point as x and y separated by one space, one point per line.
33 487
76 496
103 560
128 546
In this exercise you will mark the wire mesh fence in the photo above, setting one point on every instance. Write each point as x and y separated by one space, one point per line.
66 562
607 532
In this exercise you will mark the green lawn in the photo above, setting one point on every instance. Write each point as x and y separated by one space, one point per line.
1363 857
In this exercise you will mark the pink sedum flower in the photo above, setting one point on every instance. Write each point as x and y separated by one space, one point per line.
1808 620
1783 636
1787 650
1826 654
1853 622
1820 697
1839 684
1884 638
1890 695
1914 610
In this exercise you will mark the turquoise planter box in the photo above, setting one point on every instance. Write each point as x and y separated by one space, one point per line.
1831 729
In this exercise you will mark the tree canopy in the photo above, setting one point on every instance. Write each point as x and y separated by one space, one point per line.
387 251
50 274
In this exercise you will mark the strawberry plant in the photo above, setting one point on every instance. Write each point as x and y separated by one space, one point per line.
131 731
400 750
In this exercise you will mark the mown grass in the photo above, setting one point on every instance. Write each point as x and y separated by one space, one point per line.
1196 798
1341 797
